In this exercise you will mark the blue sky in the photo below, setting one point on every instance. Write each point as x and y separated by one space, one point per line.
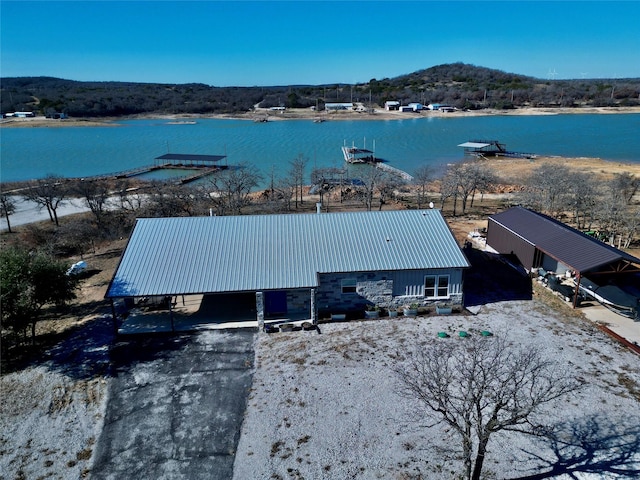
245 43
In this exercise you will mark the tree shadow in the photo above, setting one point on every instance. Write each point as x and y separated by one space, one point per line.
91 349
494 278
593 444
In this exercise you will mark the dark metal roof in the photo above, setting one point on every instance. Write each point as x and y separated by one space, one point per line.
190 158
573 248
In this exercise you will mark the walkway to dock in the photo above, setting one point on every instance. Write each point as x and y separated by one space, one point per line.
394 171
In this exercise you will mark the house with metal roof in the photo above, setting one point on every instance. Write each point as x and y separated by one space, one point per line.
539 241
269 268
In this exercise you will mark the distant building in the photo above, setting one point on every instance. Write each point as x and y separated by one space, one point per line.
441 107
20 114
391 105
416 107
338 106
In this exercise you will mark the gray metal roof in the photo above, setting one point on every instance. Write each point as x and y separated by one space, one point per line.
573 248
474 145
188 255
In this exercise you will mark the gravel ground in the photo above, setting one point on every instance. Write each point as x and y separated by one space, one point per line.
52 412
324 405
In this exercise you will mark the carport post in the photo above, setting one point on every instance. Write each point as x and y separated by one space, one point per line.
260 309
314 317
171 315
114 316
575 294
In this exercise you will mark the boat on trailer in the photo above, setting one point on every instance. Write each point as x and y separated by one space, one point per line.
612 297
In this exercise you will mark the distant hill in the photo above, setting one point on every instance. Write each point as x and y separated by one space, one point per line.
461 85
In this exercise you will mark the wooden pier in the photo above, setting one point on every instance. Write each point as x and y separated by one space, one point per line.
395 171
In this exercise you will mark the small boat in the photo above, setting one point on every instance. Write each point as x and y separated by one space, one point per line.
182 122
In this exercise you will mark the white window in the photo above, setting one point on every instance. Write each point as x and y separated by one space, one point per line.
436 286
349 285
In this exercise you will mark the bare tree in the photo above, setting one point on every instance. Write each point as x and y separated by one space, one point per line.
50 193
130 198
449 189
371 178
232 188
7 208
582 198
324 179
481 386
548 189
626 185
296 177
617 219
421 179
386 187
170 200
96 194
485 178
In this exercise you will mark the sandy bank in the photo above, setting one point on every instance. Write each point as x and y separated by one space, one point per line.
307 114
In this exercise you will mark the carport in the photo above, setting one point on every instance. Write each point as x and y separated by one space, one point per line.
539 241
192 273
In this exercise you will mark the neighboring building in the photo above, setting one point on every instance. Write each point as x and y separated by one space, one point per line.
20 114
391 105
406 108
441 107
295 266
338 106
416 107
539 241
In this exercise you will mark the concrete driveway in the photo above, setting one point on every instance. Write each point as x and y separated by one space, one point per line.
175 405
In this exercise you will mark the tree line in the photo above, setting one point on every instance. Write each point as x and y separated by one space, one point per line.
460 85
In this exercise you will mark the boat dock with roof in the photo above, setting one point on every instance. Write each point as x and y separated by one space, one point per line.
355 154
202 165
490 148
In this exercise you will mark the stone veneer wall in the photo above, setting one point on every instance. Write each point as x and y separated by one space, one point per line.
371 288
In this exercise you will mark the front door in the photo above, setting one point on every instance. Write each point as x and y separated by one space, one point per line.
275 303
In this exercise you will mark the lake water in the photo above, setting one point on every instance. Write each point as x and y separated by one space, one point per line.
28 153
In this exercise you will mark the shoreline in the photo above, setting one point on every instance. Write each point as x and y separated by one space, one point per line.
306 114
